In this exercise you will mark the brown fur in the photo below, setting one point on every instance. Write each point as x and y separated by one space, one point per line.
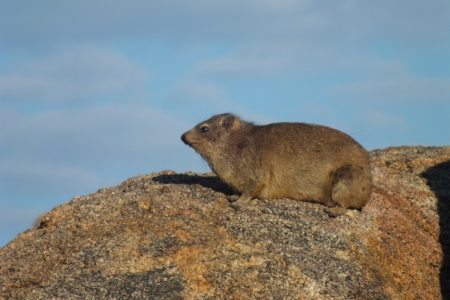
293 160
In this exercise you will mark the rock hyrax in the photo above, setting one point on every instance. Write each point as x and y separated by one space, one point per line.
293 160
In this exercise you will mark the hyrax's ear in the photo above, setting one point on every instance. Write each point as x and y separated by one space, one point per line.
228 121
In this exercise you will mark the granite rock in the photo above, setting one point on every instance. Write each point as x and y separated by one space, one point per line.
173 236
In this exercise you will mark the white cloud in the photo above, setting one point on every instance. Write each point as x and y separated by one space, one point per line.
199 93
319 112
384 119
172 19
203 98
12 215
346 75
30 23
26 177
238 64
74 75
259 60
94 135
403 88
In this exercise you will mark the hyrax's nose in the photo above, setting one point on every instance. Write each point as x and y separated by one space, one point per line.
183 138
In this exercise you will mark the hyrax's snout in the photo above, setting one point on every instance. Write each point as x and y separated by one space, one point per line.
183 138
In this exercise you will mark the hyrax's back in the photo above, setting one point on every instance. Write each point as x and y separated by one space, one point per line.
313 163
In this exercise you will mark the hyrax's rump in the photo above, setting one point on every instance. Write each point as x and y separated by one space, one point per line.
293 160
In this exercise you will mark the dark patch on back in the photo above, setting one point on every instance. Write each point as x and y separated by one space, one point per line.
344 172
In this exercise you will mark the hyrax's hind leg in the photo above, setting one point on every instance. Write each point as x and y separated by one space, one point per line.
351 186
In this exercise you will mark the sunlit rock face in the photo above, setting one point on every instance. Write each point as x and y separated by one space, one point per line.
174 236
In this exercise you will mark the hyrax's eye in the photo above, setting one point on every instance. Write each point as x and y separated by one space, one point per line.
204 129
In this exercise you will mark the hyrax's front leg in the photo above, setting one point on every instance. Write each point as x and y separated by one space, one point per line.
252 190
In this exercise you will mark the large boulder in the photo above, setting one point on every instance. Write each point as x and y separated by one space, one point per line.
173 236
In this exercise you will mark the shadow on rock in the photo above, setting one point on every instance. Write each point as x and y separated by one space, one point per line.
438 179
211 182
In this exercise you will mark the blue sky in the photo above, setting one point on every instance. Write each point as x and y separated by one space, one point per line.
93 92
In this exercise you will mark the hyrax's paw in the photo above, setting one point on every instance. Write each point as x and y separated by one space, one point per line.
233 198
235 205
241 203
334 212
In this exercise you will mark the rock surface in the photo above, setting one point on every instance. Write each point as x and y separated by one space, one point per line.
173 236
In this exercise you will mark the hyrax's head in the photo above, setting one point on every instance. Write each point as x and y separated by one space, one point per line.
208 137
